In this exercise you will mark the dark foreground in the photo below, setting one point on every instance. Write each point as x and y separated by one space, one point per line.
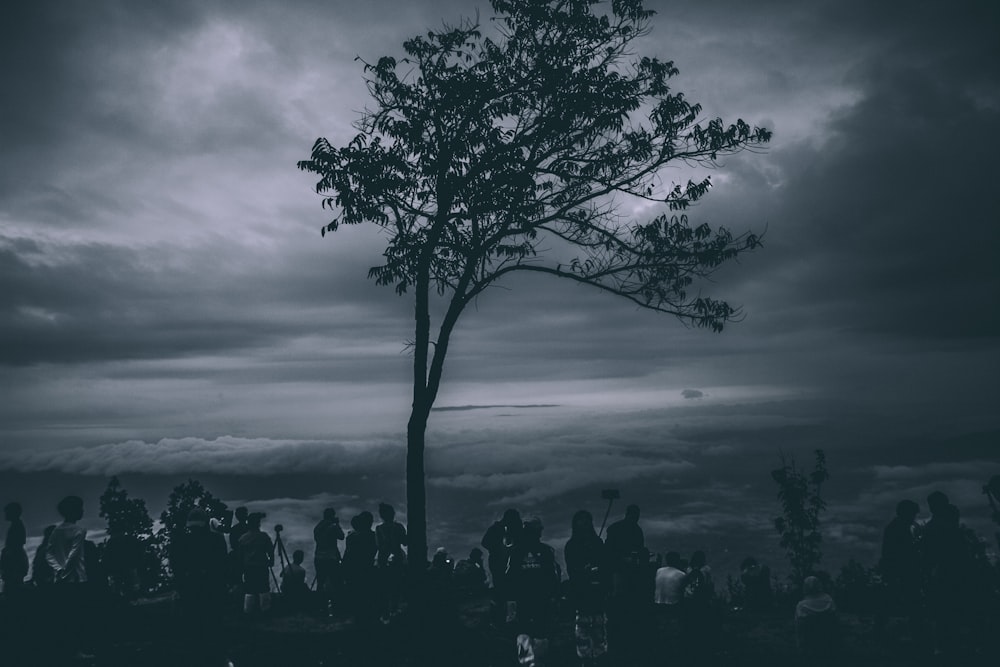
150 633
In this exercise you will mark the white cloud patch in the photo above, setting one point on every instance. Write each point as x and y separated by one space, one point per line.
223 455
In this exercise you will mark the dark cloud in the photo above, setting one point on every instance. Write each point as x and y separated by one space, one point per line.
167 305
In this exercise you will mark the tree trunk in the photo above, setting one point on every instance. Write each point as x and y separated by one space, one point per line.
416 494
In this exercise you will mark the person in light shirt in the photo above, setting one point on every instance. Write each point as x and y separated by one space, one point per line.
64 554
669 589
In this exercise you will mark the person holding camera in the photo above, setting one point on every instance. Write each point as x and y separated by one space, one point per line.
327 534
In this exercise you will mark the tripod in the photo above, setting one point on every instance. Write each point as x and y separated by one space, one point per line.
283 558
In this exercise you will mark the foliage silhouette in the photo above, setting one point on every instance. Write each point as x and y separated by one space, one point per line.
129 518
487 155
182 500
801 506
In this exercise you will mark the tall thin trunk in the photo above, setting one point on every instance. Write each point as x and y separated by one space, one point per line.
416 494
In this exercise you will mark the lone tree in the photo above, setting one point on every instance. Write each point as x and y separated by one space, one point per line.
515 151
801 506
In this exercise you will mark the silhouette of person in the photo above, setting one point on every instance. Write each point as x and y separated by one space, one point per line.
470 574
390 536
256 552
359 568
669 586
627 548
13 557
629 605
756 579
120 561
533 580
65 554
199 563
41 572
816 624
440 579
327 557
900 564
500 540
587 566
293 581
239 529
946 565
236 532
696 610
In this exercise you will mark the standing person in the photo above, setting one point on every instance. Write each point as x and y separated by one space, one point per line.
631 597
236 532
756 579
589 578
65 556
500 540
470 574
697 613
256 552
239 529
900 567
122 555
533 579
668 595
329 577
200 569
41 572
359 568
390 536
13 558
946 566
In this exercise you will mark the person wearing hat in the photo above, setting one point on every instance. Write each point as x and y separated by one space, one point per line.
199 566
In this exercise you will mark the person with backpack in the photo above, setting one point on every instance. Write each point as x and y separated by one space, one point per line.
533 577
589 573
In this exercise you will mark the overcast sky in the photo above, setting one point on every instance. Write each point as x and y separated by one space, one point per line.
169 309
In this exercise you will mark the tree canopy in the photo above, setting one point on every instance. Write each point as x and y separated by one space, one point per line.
516 146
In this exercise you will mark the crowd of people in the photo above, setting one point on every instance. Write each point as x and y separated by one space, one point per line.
619 591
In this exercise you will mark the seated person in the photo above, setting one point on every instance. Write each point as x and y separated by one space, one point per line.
816 625
293 580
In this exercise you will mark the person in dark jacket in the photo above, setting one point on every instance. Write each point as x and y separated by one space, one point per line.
13 557
199 563
499 541
329 576
359 568
533 579
589 581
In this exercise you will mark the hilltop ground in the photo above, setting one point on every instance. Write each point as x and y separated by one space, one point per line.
146 633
